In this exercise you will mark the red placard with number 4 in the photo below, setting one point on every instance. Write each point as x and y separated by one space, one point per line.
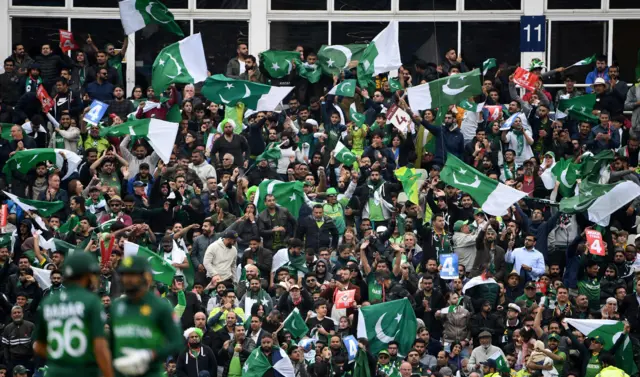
525 78
594 240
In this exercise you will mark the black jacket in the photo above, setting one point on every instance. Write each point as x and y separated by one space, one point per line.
11 88
315 238
282 218
50 67
193 306
188 366
70 101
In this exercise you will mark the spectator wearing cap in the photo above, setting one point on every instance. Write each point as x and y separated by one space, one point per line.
115 212
144 175
464 241
511 324
294 297
530 295
605 99
483 352
20 371
140 198
138 156
220 258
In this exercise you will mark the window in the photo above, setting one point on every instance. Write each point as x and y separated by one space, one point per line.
427 5
483 40
574 41
361 5
492 4
41 3
624 4
149 42
298 4
32 33
573 4
226 35
102 32
221 4
114 3
343 33
288 35
427 41
625 48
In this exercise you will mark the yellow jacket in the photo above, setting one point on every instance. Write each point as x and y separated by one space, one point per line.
612 371
223 318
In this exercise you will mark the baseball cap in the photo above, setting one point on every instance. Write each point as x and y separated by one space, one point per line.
554 336
384 352
230 234
530 285
485 334
79 264
598 339
478 211
457 226
599 81
134 264
20 369
332 191
139 184
294 286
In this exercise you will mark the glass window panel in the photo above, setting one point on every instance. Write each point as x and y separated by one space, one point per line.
500 40
625 48
288 35
226 35
114 3
41 3
298 5
624 4
492 4
343 33
360 5
573 4
32 33
427 5
102 32
426 41
149 42
574 41
222 4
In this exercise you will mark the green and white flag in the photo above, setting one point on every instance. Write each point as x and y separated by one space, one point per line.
347 88
55 244
382 55
336 58
395 85
27 159
294 323
579 108
311 72
289 195
487 65
609 332
159 133
445 91
344 154
594 167
259 97
585 61
355 116
296 263
5 240
501 363
600 200
136 14
182 62
162 271
493 196
279 64
382 323
271 153
567 173
43 208
257 364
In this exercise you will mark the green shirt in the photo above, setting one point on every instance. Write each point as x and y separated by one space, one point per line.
374 288
590 288
593 366
559 365
116 63
148 324
68 323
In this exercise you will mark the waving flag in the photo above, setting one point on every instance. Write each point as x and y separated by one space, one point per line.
257 363
136 14
333 59
182 62
27 159
259 97
159 133
279 64
43 208
347 88
294 323
445 91
600 201
382 323
289 195
382 55
162 271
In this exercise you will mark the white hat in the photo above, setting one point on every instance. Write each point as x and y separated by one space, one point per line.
599 81
312 121
515 307
381 229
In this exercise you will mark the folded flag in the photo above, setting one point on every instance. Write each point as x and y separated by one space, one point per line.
361 367
136 14
42 276
182 62
445 91
159 133
487 65
585 61
43 208
27 159
382 323
257 364
289 195
294 324
162 271
336 58
493 196
355 116
259 97
600 200
608 332
279 64
55 244
68 225
566 172
579 108
347 88
344 154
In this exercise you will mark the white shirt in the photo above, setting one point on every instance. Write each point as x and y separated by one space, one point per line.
532 258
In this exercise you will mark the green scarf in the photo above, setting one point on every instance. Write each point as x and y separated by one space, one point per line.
30 81
520 139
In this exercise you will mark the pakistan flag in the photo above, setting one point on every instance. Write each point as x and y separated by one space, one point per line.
27 159
289 195
162 271
44 208
259 97
182 62
493 196
382 55
382 323
136 14
579 108
279 64
566 172
445 91
159 133
333 59
600 201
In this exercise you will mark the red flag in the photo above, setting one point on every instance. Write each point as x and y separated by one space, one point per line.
67 43
345 299
594 241
525 78
495 112
45 99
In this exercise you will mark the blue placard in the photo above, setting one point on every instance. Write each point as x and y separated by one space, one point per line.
533 33
351 344
96 113
449 263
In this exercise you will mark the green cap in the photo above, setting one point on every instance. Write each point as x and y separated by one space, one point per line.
80 263
459 224
554 336
598 339
384 352
477 211
332 191
134 265
20 369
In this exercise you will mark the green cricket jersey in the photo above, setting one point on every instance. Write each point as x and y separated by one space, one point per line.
68 323
147 324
